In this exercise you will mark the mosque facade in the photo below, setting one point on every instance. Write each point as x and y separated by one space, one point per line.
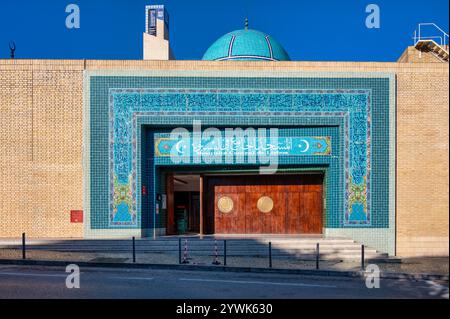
244 141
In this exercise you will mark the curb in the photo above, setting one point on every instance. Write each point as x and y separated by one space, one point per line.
309 272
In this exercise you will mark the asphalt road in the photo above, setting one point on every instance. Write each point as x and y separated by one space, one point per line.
50 282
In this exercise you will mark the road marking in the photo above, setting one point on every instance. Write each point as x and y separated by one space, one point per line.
438 289
32 274
259 283
132 278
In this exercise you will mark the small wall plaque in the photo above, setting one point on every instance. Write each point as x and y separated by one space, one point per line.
76 216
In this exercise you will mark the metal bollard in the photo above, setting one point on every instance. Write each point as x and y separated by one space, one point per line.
270 254
24 256
362 257
179 250
185 254
225 252
317 255
216 254
134 250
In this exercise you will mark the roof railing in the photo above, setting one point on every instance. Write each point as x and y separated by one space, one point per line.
418 36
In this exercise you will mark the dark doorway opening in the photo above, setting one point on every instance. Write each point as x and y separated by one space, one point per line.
185 204
187 212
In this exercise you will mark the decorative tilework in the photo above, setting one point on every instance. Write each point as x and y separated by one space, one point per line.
125 104
174 112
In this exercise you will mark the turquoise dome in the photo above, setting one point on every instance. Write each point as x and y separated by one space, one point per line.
247 45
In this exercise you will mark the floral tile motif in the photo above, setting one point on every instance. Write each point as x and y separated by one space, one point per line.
126 103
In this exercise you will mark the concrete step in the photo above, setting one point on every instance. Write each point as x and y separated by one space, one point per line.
242 250
172 240
293 247
192 246
190 243
304 253
299 256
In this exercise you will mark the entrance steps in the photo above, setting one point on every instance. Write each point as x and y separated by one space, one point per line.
237 246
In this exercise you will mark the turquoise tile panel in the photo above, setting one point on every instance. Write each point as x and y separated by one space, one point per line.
126 110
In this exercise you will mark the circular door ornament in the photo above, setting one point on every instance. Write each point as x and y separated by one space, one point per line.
265 204
225 204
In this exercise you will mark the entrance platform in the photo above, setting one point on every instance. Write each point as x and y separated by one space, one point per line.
299 247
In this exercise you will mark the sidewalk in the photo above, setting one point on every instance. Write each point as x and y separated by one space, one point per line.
425 265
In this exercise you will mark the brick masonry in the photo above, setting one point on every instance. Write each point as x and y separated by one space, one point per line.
411 55
41 143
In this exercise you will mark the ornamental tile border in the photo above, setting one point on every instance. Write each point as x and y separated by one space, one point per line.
123 172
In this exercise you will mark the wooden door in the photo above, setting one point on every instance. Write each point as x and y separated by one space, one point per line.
310 219
295 201
311 204
305 203
258 222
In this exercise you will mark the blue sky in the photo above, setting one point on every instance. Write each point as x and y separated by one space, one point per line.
313 30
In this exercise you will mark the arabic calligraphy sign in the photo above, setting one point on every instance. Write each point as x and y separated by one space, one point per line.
286 146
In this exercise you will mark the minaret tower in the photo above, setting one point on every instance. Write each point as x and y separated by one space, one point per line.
156 36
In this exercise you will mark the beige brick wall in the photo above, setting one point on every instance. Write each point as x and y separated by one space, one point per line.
40 147
412 55
422 153
41 140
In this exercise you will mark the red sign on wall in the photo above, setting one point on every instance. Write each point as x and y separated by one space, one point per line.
76 216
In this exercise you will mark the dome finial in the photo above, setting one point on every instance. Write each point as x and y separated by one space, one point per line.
246 23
